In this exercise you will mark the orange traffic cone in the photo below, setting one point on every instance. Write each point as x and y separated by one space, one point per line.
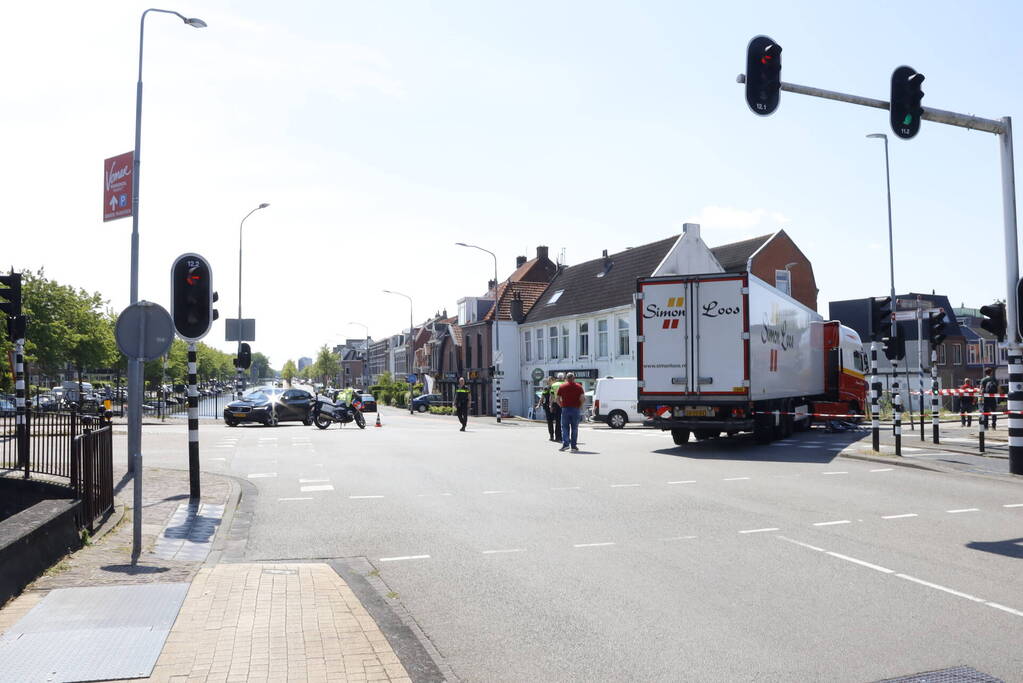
378 419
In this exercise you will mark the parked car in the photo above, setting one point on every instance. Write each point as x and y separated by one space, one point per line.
369 404
423 403
7 408
270 405
614 402
46 402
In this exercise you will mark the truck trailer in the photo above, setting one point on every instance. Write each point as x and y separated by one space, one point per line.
724 353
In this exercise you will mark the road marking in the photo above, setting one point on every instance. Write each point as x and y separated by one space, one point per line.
312 481
757 531
952 512
221 459
940 588
908 514
487 493
677 538
1004 608
868 565
805 545
566 488
838 521
683 481
317 487
404 557
883 469
362 497
620 486
834 473
509 550
735 478
1013 505
261 475
309 498
592 545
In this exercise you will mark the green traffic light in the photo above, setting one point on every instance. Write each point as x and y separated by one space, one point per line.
908 120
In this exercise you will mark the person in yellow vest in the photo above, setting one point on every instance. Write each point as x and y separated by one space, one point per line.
462 403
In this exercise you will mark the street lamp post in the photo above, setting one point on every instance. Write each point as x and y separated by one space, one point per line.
365 358
410 346
497 333
238 370
135 366
896 397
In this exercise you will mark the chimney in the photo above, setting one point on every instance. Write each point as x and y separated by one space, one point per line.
541 253
492 286
691 229
520 261
517 308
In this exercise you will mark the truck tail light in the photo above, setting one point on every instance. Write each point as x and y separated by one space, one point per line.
737 412
596 407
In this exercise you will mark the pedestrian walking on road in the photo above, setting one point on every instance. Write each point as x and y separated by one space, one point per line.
546 400
555 406
989 387
570 398
462 403
966 403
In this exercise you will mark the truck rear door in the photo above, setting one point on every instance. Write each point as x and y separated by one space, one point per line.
662 361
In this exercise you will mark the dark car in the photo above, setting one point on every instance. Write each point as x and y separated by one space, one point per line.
423 403
7 408
369 404
269 405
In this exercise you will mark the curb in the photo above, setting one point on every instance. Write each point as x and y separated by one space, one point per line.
892 460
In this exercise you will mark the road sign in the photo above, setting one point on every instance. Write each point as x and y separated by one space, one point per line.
144 331
117 186
913 303
248 329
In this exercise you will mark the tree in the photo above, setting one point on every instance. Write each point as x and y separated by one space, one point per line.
327 365
260 366
289 371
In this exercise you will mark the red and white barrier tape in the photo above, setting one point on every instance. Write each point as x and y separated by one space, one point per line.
960 392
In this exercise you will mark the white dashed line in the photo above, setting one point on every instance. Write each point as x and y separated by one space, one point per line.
757 531
735 479
404 557
684 481
837 521
677 538
262 475
487 493
952 512
622 486
566 488
509 550
908 514
834 473
317 487
940 588
883 469
805 545
1013 505
216 459
592 545
363 497
309 498
868 565
312 481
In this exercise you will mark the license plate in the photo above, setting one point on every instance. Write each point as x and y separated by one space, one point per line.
700 411
239 415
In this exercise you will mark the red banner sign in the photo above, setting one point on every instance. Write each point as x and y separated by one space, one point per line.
117 182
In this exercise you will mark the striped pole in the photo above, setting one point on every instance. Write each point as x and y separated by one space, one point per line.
897 407
21 426
934 395
193 427
1015 409
981 418
875 396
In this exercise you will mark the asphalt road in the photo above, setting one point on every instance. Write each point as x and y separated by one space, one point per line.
637 560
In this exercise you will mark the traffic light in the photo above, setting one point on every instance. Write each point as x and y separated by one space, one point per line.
244 359
880 317
763 75
192 296
10 294
905 109
936 328
895 347
994 320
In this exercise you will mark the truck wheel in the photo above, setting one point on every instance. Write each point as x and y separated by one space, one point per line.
680 436
763 430
617 419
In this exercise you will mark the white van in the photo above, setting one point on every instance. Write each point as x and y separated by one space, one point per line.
614 402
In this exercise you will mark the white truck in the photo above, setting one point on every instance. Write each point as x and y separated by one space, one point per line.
727 353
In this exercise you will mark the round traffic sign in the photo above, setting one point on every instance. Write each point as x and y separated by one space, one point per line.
144 331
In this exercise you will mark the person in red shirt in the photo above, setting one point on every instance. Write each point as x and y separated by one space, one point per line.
570 398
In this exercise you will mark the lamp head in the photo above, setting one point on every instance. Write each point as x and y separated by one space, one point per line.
881 136
461 244
195 22
263 205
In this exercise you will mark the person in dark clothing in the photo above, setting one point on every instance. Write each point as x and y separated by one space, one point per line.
462 403
546 399
555 406
966 403
989 387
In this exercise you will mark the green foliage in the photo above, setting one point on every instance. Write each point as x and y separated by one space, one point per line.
289 371
327 365
442 410
260 366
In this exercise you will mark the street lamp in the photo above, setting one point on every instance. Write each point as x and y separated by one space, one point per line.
497 332
365 359
238 371
410 347
135 367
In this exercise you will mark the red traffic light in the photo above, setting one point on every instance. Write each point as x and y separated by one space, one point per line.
193 276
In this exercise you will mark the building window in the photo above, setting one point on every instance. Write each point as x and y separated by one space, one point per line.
602 338
468 350
941 354
554 297
565 351
957 354
584 340
624 349
783 281
989 353
479 349
1003 355
539 344
529 345
552 337
973 353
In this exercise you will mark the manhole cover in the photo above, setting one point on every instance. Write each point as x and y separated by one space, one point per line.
956 674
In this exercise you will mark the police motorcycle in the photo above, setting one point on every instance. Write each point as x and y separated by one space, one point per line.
325 412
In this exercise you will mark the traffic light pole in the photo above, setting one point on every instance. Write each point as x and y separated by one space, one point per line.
934 394
1003 129
21 427
896 407
193 427
875 397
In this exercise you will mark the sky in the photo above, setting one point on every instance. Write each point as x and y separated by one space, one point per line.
381 133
